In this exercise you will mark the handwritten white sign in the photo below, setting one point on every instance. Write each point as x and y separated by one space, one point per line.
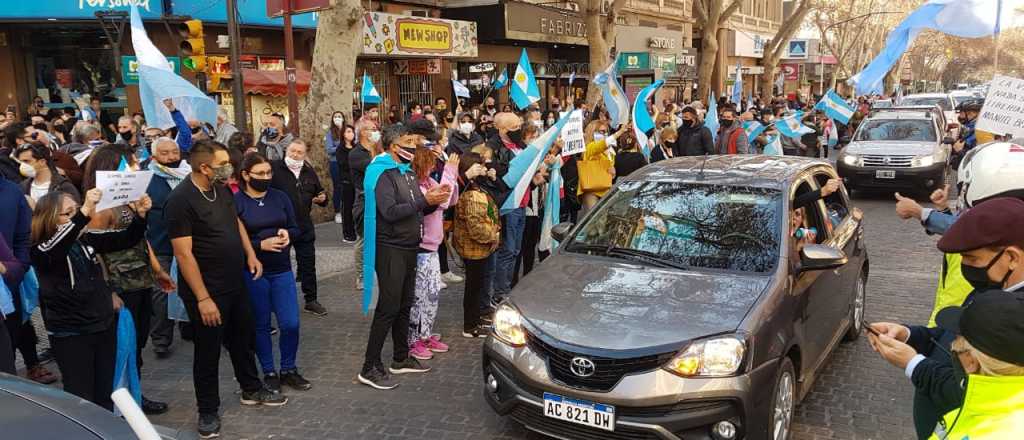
1003 112
121 187
572 135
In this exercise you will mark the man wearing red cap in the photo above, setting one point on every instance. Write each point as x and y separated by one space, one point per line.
990 238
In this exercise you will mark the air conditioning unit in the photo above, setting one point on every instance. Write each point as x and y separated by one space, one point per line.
418 12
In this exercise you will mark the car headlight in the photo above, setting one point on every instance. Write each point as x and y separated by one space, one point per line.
851 160
716 357
924 161
508 326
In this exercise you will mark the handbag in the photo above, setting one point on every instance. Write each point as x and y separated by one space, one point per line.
594 175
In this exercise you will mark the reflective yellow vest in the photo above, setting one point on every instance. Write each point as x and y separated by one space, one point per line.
953 288
993 410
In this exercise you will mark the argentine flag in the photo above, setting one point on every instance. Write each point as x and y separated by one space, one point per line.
961 18
835 107
524 86
614 98
369 94
753 129
501 80
552 207
791 127
643 125
832 134
522 168
774 146
460 89
711 120
157 82
737 87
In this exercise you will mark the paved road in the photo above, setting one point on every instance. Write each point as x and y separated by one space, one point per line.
858 397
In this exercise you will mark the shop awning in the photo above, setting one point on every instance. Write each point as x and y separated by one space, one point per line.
273 82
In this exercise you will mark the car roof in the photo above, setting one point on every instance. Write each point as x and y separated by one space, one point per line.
927 95
760 171
897 113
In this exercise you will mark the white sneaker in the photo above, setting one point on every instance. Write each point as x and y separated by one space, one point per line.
337 218
451 278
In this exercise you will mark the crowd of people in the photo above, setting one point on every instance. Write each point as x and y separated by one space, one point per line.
415 191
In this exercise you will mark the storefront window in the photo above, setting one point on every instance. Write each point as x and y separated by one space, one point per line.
61 72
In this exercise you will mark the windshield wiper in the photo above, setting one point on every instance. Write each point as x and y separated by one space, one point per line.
627 254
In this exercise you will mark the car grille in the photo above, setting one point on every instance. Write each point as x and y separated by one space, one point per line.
880 160
534 418
607 371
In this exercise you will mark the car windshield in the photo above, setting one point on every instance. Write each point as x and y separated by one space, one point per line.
959 99
942 101
686 225
915 130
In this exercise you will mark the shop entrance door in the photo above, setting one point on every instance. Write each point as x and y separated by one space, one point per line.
414 88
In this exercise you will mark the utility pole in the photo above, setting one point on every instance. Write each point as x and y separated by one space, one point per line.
237 94
289 70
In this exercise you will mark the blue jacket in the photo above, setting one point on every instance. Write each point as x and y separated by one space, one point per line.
156 226
184 137
16 223
939 222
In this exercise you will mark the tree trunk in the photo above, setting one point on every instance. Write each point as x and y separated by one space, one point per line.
708 57
338 42
600 38
773 53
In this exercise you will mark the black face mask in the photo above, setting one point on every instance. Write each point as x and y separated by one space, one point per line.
259 185
516 136
174 164
978 276
127 135
726 123
410 151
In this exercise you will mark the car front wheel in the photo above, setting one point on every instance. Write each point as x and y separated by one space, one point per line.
857 309
783 402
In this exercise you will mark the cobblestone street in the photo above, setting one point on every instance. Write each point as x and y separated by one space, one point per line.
858 396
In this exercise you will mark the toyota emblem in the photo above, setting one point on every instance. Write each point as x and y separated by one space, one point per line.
582 367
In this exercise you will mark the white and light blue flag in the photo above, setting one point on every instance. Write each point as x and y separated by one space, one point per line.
737 87
157 82
643 124
524 85
835 107
369 94
614 98
501 80
552 207
774 146
753 129
790 126
711 120
961 18
572 77
832 135
461 91
522 167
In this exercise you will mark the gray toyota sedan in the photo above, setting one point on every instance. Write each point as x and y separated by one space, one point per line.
698 300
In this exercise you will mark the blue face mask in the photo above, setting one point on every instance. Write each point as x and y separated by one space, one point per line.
270 132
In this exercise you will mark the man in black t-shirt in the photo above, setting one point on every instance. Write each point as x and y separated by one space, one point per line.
213 253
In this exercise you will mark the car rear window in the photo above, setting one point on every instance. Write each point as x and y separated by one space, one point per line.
914 130
688 225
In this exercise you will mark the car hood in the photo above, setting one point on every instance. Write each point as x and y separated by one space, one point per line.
892 148
601 303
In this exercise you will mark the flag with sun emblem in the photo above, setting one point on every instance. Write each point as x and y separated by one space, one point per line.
614 98
524 88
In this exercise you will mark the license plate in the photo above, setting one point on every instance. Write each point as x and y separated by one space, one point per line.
580 412
885 174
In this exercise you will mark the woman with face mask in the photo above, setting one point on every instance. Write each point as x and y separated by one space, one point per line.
269 219
600 153
339 141
132 272
476 236
464 136
77 303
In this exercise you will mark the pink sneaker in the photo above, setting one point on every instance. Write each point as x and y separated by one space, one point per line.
435 345
419 351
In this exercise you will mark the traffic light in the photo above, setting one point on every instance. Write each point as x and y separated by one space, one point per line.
193 46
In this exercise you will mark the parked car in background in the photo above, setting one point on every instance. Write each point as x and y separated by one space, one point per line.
32 411
943 100
898 148
682 306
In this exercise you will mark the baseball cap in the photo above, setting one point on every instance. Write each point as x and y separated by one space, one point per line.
991 323
992 223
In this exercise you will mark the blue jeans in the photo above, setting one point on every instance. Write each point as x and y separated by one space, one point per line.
511 241
275 293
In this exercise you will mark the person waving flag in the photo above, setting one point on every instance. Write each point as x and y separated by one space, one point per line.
522 168
614 98
835 107
791 127
643 125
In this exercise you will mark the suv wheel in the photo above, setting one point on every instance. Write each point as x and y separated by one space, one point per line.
783 402
857 309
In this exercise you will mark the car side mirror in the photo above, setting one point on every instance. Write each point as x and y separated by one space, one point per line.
845 140
561 231
948 140
821 257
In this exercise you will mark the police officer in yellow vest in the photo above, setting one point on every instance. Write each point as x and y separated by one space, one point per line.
990 240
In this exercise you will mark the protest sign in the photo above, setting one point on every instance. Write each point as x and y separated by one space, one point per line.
1003 112
121 187
572 135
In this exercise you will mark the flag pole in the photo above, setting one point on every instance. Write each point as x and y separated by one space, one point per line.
995 37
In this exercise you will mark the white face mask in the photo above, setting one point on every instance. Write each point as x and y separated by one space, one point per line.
293 164
27 170
598 137
375 136
539 124
339 121
466 128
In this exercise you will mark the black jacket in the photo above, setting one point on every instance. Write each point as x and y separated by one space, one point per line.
74 296
459 143
693 140
300 190
57 183
498 190
400 209
358 160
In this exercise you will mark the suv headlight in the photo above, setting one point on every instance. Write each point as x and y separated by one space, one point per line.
930 159
508 326
852 160
715 357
